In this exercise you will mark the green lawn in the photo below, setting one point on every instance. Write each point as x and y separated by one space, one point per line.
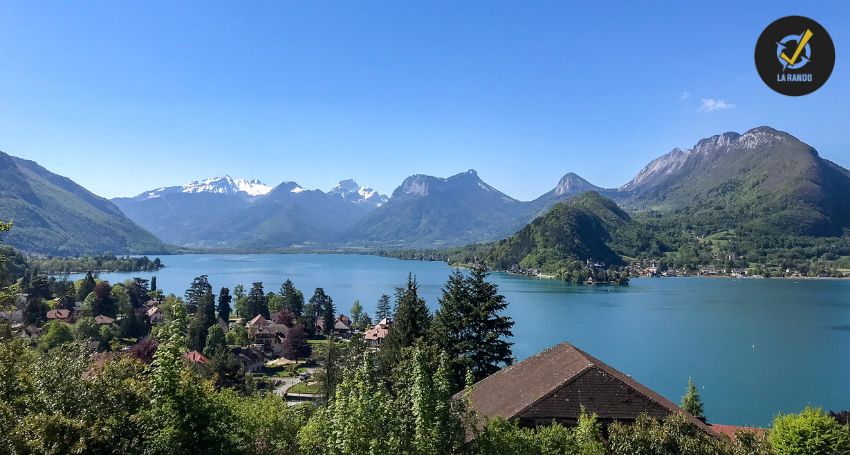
304 387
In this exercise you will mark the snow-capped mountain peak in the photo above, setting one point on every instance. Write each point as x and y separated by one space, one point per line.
216 185
352 192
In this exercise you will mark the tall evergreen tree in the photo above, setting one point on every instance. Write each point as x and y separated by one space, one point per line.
321 305
469 328
293 299
86 287
224 300
383 309
153 283
489 330
329 315
138 292
411 322
691 401
197 293
256 302
202 320
104 302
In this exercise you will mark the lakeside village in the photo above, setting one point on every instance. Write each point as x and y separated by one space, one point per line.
89 366
592 272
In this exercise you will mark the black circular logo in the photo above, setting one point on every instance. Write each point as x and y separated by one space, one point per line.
795 55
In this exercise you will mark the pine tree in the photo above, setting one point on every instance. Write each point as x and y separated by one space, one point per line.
469 328
411 322
488 329
153 283
383 309
224 300
293 299
329 315
256 302
197 291
86 287
318 308
691 401
202 320
103 303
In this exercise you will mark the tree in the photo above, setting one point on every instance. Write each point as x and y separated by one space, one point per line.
811 432
226 371
256 302
224 300
411 322
295 345
215 341
412 318
293 299
55 333
383 310
691 401
202 320
153 282
103 302
138 291
239 291
328 316
86 329
357 316
319 306
144 350
131 326
284 317
86 287
35 311
237 335
487 347
197 293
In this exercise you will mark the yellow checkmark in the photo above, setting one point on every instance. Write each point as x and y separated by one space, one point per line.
800 46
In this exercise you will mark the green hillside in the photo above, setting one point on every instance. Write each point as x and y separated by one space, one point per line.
54 215
587 227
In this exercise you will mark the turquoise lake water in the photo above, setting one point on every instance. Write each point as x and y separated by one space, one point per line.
754 347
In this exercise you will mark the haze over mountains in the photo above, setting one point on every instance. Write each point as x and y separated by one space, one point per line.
763 179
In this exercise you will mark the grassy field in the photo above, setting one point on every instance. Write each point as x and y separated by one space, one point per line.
305 387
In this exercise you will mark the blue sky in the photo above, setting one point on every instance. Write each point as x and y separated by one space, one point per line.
123 97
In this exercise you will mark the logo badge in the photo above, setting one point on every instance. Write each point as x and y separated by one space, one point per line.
795 55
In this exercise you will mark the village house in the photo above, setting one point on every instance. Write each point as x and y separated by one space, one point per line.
59 315
104 320
267 334
376 335
554 385
13 316
251 358
155 315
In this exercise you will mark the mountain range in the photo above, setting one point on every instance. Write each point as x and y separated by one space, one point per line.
763 180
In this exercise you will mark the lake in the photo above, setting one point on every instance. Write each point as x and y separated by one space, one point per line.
755 347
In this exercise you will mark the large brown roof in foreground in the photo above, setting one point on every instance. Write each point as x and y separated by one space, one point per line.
516 389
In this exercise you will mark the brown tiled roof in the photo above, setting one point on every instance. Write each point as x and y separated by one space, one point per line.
378 331
195 357
101 319
58 314
258 320
516 389
730 430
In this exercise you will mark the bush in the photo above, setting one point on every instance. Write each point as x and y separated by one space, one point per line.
811 432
